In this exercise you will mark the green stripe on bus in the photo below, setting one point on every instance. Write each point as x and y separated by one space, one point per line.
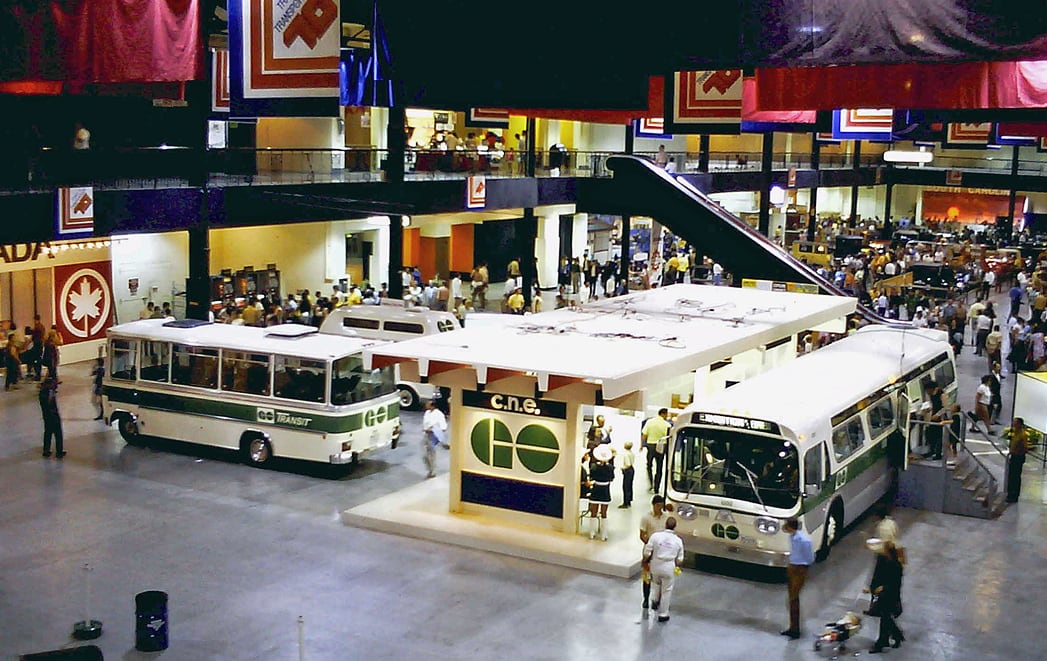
860 464
273 415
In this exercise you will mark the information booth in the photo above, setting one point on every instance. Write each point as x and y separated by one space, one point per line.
520 393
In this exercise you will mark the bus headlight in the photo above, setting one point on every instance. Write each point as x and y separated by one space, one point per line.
686 512
767 525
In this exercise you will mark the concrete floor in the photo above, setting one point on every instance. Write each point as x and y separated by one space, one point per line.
242 552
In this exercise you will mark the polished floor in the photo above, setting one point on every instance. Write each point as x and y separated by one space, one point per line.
243 552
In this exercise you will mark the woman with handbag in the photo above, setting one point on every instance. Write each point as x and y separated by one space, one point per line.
886 590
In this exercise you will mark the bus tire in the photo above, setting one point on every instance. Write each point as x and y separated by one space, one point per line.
832 530
128 427
256 449
408 397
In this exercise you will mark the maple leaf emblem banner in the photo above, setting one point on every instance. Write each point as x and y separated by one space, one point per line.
83 301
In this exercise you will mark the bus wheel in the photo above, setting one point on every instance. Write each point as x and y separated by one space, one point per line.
832 531
408 397
128 427
257 450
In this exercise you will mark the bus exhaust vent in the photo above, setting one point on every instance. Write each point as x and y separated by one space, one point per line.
186 323
290 331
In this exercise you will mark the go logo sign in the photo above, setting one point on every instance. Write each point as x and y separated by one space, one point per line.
535 446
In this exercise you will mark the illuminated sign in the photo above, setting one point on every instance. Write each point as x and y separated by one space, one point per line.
25 252
747 424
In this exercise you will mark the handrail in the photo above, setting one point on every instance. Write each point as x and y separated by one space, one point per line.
961 442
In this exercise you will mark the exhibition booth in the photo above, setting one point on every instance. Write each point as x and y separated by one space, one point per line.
523 395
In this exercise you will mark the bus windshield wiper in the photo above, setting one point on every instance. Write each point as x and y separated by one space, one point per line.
698 478
749 475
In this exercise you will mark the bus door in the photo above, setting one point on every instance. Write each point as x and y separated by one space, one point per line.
909 427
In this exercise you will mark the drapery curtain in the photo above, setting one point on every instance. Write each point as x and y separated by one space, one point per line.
101 41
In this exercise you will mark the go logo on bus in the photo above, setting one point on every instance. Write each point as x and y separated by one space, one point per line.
535 446
374 417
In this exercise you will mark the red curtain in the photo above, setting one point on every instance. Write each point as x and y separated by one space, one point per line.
104 41
976 85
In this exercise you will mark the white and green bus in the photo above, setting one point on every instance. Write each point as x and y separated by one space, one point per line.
282 391
810 439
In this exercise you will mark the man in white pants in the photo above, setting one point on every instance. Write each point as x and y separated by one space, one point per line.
664 553
434 429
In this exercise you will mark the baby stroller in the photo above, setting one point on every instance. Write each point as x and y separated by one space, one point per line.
840 631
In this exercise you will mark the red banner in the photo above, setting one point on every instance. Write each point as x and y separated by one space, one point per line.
103 41
975 85
967 207
83 301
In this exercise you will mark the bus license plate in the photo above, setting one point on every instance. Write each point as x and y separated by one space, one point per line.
733 549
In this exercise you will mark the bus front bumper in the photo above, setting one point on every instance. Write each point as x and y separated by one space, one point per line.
342 458
742 552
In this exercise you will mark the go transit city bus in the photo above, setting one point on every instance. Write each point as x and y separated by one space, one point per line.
281 391
809 439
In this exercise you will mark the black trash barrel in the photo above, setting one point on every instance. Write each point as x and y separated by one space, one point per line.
151 621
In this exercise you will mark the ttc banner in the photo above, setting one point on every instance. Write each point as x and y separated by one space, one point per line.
83 301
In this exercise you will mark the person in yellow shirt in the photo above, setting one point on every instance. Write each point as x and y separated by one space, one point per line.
354 298
516 302
672 267
683 263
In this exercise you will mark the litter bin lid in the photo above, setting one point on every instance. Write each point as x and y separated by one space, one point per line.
150 598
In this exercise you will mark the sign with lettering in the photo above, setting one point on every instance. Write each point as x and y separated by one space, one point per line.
25 252
747 424
288 48
515 436
76 211
706 101
83 301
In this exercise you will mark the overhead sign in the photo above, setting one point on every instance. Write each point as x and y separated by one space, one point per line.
495 118
706 102
863 124
283 50
75 215
220 80
512 435
651 127
968 135
476 192
83 301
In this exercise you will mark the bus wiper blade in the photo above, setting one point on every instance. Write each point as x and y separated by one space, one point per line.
749 475
701 474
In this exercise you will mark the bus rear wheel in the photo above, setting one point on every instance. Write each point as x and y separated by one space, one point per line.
128 427
257 450
832 530
408 398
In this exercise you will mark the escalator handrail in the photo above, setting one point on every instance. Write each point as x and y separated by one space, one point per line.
620 162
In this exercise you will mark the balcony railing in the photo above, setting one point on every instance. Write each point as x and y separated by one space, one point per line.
166 167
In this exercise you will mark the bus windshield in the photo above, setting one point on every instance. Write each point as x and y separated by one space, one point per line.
737 465
351 383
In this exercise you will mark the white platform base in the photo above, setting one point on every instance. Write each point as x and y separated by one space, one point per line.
420 511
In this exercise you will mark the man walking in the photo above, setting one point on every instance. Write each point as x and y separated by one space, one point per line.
654 435
663 553
52 420
1019 438
801 557
434 428
651 523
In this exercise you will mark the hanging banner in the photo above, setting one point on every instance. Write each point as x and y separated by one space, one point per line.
75 213
491 118
83 301
705 102
863 124
764 121
1001 137
476 192
219 80
282 50
651 127
959 136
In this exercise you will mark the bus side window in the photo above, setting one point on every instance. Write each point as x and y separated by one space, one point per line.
847 438
122 359
944 374
156 361
881 418
812 467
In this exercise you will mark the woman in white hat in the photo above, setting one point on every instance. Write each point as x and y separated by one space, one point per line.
601 474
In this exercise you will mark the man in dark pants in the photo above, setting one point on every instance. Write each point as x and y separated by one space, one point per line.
1019 439
801 557
52 420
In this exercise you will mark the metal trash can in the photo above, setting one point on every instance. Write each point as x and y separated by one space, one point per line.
151 621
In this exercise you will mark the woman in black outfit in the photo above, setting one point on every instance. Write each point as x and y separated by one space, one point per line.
886 587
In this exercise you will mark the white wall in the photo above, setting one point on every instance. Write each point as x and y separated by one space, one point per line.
606 137
159 261
298 250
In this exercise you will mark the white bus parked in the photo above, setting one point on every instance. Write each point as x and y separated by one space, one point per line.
392 323
283 391
809 439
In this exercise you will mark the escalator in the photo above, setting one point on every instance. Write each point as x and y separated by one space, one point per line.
644 189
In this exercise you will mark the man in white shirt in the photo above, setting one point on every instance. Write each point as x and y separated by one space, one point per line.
651 523
456 290
663 553
434 428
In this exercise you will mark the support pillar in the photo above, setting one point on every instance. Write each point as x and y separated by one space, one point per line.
547 249
855 165
1013 195
529 162
527 233
765 183
812 208
396 140
703 152
198 285
887 203
623 270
